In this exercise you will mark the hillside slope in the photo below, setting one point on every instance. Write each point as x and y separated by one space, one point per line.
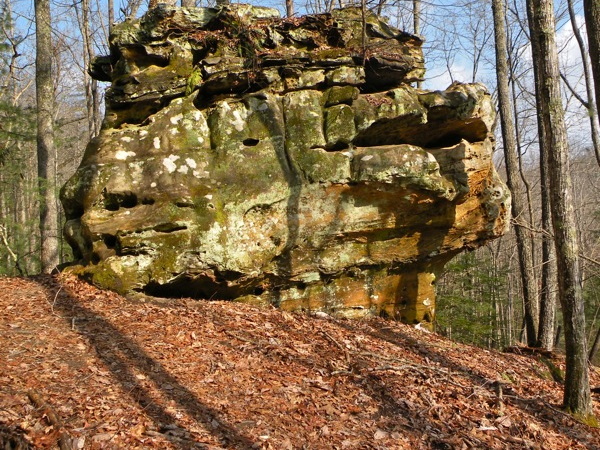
144 373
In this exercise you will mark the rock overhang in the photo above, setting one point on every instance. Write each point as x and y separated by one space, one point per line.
281 161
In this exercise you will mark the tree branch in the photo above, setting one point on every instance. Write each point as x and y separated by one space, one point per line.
12 254
585 103
521 224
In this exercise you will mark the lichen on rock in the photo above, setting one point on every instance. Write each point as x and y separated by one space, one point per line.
281 161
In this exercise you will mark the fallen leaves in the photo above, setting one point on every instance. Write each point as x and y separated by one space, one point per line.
156 373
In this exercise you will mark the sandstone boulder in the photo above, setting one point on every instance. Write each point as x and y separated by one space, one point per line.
281 161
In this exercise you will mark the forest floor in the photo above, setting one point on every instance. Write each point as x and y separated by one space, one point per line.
85 368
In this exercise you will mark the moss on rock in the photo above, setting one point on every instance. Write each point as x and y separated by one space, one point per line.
273 161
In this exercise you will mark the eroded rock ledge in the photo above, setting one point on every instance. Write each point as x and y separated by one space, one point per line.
281 161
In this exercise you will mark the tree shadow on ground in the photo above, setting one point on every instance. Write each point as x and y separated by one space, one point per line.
531 406
401 417
123 357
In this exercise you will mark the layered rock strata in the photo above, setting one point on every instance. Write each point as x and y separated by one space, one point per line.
281 161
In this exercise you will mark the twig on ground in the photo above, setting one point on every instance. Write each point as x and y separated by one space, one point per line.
240 338
64 440
340 346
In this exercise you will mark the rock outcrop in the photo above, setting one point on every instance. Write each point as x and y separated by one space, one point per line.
281 161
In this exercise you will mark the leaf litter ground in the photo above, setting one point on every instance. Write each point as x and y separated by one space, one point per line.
141 373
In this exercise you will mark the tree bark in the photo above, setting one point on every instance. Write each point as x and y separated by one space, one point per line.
132 6
595 345
553 140
46 154
549 271
589 85
91 88
289 8
507 121
417 25
591 9
111 15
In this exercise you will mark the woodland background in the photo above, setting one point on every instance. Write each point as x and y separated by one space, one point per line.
480 296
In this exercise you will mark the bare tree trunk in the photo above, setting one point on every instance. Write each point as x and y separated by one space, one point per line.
416 16
549 282
526 184
589 85
11 253
553 139
507 121
363 7
289 8
595 345
4 259
591 10
46 155
132 6
91 91
549 270
417 24
111 15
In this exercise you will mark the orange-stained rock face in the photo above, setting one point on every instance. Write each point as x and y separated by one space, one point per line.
273 161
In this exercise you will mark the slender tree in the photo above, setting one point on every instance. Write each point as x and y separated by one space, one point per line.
591 10
553 139
588 103
46 155
82 9
111 14
131 7
546 338
514 183
416 4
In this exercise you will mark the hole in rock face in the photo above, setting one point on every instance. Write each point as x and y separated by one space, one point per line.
250 142
169 227
199 287
115 200
129 200
338 146
446 140
95 258
111 205
109 240
73 210
148 201
139 54
184 203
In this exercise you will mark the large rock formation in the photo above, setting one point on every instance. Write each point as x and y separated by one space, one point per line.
285 162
